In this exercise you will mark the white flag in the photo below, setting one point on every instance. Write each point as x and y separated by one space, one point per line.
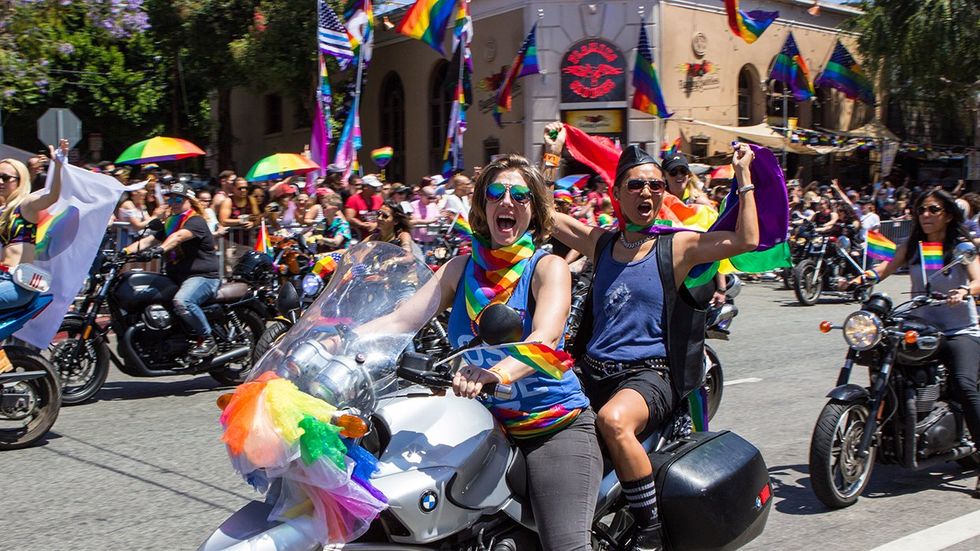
68 238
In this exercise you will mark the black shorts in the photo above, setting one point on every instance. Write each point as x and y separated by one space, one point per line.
652 384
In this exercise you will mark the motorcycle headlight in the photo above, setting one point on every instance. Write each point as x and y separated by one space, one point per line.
311 284
862 330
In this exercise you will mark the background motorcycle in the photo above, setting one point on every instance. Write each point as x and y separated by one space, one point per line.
916 424
151 342
30 393
828 260
801 231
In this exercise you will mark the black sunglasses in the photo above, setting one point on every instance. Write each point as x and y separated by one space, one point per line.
933 209
7 178
636 185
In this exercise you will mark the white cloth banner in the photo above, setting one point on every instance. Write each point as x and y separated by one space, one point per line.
68 238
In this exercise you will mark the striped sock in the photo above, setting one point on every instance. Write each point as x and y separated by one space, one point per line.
641 495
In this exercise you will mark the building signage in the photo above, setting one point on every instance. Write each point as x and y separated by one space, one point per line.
698 76
593 70
609 123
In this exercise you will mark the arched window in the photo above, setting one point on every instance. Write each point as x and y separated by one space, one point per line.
393 124
749 97
774 103
441 86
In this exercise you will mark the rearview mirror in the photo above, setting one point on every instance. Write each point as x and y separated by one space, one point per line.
500 323
965 253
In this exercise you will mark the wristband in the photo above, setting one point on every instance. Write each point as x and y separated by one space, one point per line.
745 188
872 274
504 379
551 160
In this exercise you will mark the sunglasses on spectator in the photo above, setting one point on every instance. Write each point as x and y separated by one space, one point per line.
678 171
933 209
7 178
636 185
519 193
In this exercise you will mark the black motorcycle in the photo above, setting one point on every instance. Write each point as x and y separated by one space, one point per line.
150 341
904 416
828 260
801 231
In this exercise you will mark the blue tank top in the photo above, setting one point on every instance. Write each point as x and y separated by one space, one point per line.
628 309
540 404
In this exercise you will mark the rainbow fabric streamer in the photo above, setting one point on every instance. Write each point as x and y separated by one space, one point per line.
790 69
262 244
553 363
844 74
647 96
748 26
880 247
525 63
523 425
382 156
427 20
274 430
493 274
932 255
462 226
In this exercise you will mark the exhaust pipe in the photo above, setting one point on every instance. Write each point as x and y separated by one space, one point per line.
959 452
229 356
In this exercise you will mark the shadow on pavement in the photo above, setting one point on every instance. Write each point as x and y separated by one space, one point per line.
141 388
791 486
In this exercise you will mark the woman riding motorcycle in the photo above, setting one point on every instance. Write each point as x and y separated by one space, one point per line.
19 218
626 370
939 220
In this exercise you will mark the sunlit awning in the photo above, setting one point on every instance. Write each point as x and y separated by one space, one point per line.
764 135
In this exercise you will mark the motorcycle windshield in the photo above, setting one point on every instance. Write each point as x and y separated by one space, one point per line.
345 347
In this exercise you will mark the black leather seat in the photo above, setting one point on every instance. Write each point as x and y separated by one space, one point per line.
230 292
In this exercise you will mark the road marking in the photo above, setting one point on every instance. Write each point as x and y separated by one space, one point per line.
742 381
938 537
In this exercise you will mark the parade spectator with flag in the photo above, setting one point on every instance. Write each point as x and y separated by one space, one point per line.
937 228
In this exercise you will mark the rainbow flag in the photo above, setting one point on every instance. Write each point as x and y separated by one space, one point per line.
647 96
360 26
262 243
542 358
452 155
748 26
880 247
462 226
350 140
427 20
576 181
525 63
932 255
668 150
790 69
844 74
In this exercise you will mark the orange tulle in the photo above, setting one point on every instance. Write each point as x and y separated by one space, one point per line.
237 417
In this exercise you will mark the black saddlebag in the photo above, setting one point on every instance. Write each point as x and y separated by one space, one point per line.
713 491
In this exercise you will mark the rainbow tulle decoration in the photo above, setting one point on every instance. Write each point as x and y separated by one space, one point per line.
748 26
932 255
274 430
880 247
553 363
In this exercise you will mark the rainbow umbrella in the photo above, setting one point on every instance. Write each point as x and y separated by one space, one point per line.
158 149
279 166
725 172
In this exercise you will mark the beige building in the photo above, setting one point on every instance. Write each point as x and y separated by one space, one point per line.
586 53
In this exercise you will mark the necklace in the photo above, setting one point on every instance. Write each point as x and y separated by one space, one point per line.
634 244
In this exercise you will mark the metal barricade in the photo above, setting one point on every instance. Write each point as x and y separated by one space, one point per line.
896 230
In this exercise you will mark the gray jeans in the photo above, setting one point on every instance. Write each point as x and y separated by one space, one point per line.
564 470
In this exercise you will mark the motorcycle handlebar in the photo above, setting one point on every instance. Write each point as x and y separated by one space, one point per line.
416 368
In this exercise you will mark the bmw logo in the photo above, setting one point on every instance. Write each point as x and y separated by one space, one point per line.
758 503
428 502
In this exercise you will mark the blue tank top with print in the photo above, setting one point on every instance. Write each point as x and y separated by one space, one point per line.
540 405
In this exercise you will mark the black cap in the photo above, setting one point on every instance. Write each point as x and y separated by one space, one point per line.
676 160
181 189
864 200
631 157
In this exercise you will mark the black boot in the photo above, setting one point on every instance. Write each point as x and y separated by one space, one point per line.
203 347
648 539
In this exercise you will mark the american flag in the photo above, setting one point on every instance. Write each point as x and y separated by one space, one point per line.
332 35
643 48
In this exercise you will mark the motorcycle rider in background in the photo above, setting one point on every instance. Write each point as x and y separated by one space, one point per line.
939 220
626 368
191 263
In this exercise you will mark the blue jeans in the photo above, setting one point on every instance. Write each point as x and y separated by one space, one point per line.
194 292
12 295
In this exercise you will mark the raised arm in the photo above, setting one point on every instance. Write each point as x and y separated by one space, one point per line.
31 208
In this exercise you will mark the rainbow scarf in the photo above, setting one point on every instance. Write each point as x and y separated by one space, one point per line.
177 221
748 26
880 247
493 274
522 425
553 363
932 255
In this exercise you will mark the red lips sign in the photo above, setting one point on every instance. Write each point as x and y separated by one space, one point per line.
593 70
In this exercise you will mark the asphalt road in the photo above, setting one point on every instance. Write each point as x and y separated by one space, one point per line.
142 467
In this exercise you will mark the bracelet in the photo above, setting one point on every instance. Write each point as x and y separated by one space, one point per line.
504 379
872 274
551 160
745 188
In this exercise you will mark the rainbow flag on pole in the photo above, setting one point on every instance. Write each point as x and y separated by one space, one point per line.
427 20
262 243
844 74
462 226
647 96
525 63
748 26
880 247
932 255
542 358
668 150
790 69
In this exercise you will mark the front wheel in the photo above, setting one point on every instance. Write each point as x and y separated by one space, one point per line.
838 475
82 361
807 282
29 408
273 332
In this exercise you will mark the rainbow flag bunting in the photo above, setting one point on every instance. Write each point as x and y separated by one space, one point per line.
542 358
932 255
525 63
880 247
790 69
262 243
748 26
427 20
844 74
647 96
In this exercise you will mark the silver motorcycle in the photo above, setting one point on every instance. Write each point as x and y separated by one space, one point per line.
452 477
